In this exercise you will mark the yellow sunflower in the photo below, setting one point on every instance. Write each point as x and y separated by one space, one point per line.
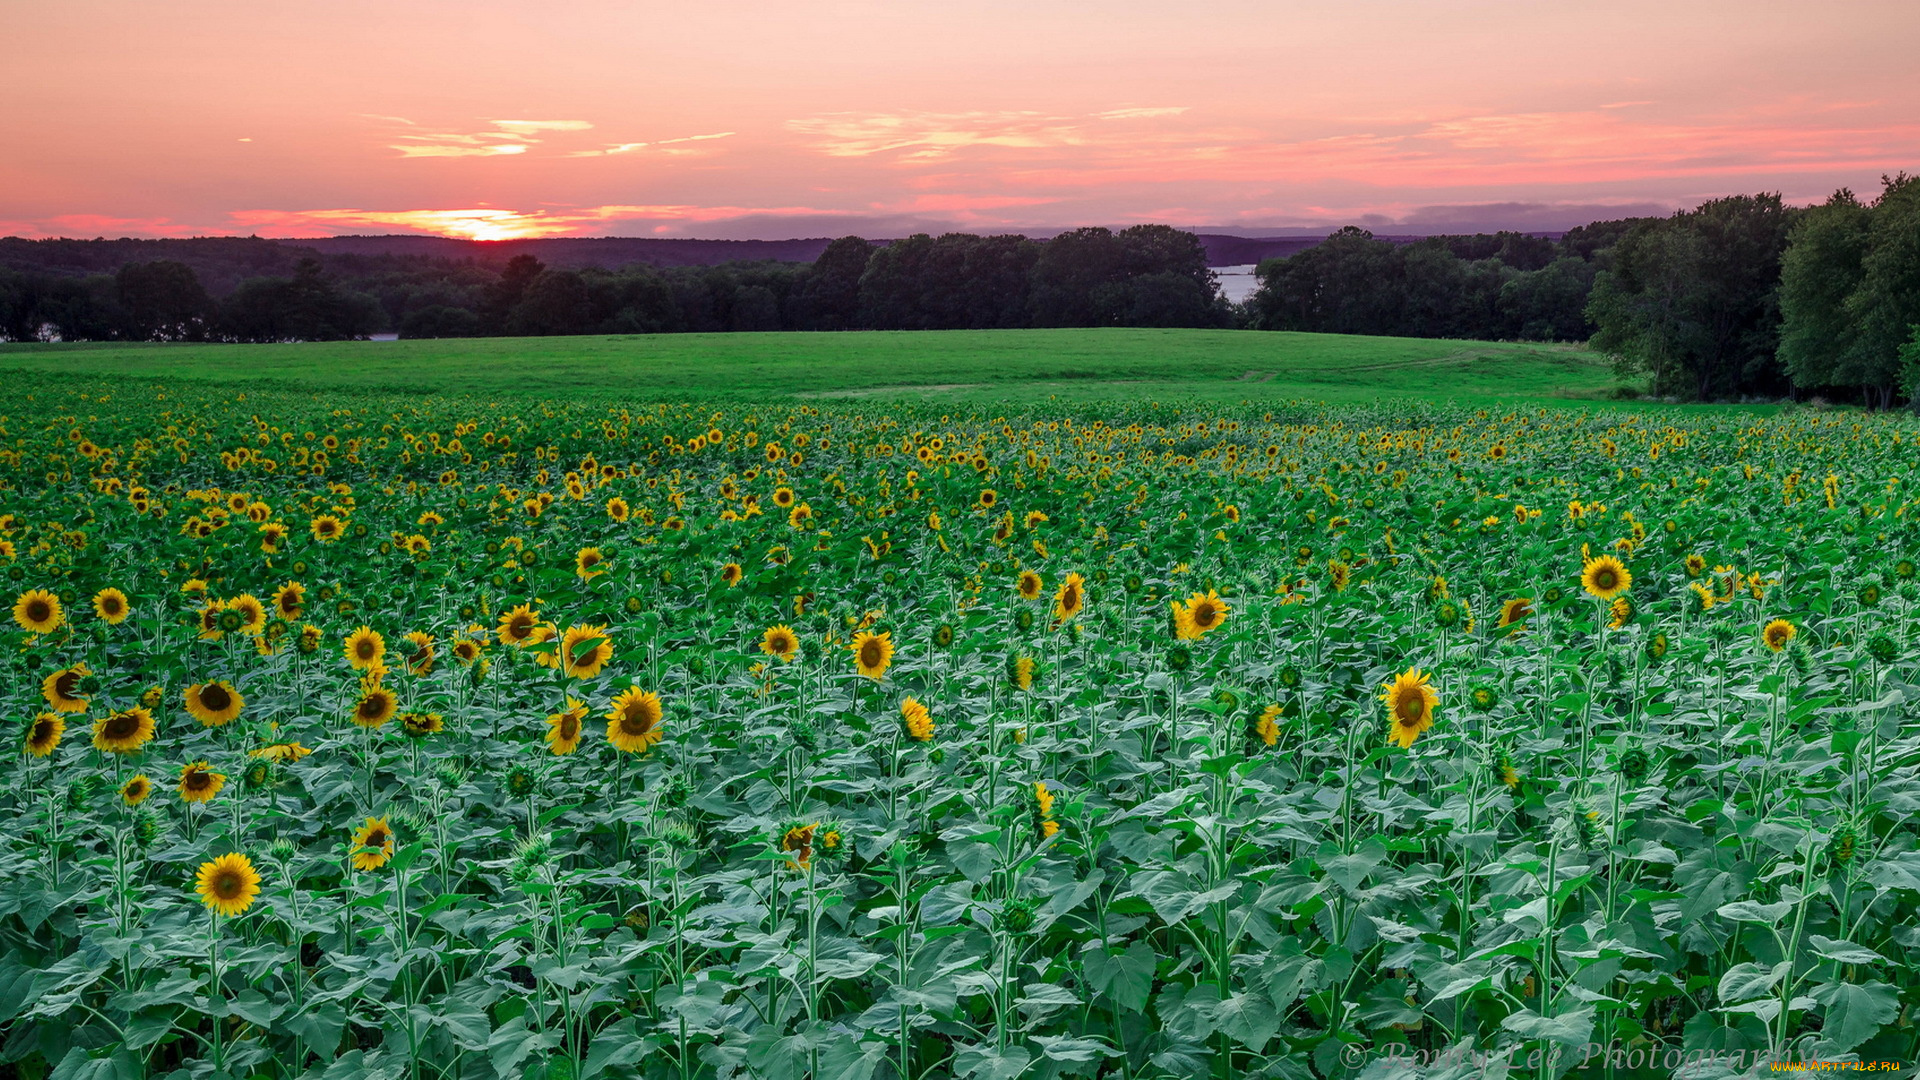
199 783
38 611
1029 585
281 753
1071 597
136 789
123 732
111 606
228 884
365 647
1202 612
634 722
253 614
62 689
375 707
466 650
517 626
584 650
214 703
563 728
326 528
43 735
1605 577
419 652
1777 633
290 600
1515 611
588 563
780 641
1410 703
916 719
872 653
731 574
372 844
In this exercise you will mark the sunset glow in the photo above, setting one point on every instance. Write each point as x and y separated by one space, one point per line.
508 119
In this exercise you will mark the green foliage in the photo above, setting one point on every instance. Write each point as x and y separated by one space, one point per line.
1692 300
1705 846
1850 292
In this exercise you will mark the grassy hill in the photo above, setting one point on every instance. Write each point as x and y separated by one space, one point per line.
962 364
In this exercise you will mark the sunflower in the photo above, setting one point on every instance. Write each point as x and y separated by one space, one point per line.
1267 727
466 650
1777 633
365 647
1201 613
584 650
783 497
214 703
1695 565
38 611
872 653
136 789
281 753
1029 585
731 574
228 884
375 707
43 735
209 620
1605 577
587 563
780 641
372 844
617 509
123 732
797 842
517 626
1410 703
989 499
62 689
326 528
563 728
419 725
1071 597
635 720
199 783
1020 672
917 721
253 614
290 600
111 606
420 655
1515 611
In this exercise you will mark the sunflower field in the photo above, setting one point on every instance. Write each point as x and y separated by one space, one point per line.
385 735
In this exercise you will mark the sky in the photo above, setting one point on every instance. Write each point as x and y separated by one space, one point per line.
503 119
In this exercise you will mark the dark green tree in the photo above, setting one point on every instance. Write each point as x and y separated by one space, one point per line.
163 300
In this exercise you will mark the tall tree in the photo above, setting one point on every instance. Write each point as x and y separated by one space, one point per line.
163 300
1693 299
1819 273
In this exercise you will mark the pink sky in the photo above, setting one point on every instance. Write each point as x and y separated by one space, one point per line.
730 118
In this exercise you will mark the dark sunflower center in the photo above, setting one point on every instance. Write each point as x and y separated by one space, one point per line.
214 697
67 684
420 655
120 726
1204 614
570 728
228 884
377 838
197 781
1604 578
635 721
110 605
1071 598
42 731
1412 706
364 649
39 611
372 706
870 654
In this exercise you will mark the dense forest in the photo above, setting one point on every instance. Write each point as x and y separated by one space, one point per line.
1741 297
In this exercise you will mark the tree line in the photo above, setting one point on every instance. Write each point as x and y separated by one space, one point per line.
1146 275
1741 297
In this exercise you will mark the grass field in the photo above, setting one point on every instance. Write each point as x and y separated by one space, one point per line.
964 364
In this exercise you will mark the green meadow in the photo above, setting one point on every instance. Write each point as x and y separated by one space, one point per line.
972 365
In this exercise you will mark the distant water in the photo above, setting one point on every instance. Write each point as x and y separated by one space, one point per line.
1237 282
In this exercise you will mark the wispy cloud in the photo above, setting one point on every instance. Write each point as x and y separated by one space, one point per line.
926 136
662 145
493 223
505 138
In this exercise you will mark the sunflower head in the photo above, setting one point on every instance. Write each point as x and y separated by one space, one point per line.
872 653
123 732
372 844
584 650
916 720
43 734
1776 634
1605 577
1410 702
633 724
228 885
213 703
38 611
